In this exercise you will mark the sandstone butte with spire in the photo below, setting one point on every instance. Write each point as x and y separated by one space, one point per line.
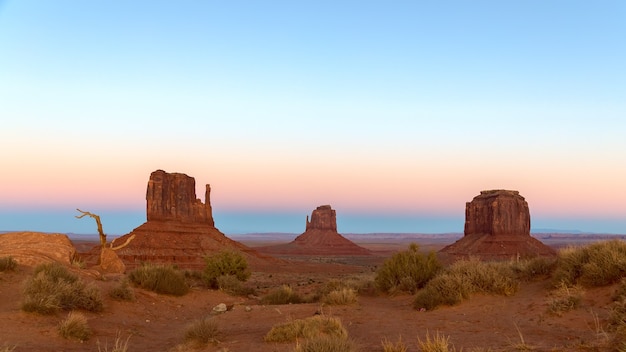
497 226
319 238
180 228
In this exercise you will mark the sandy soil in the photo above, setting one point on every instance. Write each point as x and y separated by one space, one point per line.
157 322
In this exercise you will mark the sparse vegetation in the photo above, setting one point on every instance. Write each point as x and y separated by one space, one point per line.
52 288
75 327
533 268
435 343
7 264
341 296
119 346
326 344
160 279
596 264
397 346
464 278
122 292
565 298
407 271
283 295
225 262
313 327
233 286
202 332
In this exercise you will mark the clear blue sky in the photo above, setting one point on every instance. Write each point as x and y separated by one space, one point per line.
396 113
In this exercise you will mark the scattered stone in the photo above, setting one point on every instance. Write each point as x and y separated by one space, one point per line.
220 308
248 309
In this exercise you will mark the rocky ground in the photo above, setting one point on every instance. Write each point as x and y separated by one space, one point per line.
157 322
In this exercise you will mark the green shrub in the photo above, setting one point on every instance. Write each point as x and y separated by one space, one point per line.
52 288
565 298
160 279
75 327
7 264
282 295
464 278
202 332
122 292
407 271
313 327
596 264
326 344
223 263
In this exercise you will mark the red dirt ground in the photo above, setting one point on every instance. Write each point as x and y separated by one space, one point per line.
157 322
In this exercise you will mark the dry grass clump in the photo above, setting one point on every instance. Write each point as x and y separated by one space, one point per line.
407 271
233 286
7 264
565 298
7 348
534 268
596 264
202 332
313 327
326 344
282 295
466 277
435 343
342 296
119 346
225 263
397 346
52 288
122 292
160 279
75 327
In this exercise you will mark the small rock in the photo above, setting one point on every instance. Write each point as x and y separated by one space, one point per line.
220 308
248 309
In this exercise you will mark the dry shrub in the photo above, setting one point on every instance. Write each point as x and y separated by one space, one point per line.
313 327
7 264
326 344
233 286
160 279
75 327
597 264
342 296
534 268
202 331
565 298
119 346
52 288
464 278
283 295
407 271
435 343
398 346
122 292
225 262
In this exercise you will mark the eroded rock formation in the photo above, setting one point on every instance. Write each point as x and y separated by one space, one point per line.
179 229
497 226
33 248
320 238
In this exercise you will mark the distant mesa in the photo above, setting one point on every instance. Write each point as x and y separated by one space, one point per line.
180 228
320 238
497 226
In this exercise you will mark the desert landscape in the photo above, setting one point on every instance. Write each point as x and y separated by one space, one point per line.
319 275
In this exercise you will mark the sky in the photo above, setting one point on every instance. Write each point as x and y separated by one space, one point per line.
396 113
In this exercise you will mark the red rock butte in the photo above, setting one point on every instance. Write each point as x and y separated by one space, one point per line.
180 228
497 226
319 238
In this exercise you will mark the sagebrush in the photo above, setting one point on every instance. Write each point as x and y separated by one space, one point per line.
282 295
225 263
52 288
75 327
160 278
407 270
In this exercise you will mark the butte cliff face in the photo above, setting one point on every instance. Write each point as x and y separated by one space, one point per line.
179 228
497 226
320 238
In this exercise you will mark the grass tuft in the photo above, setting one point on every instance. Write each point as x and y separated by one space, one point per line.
282 295
326 344
163 279
313 327
119 346
339 297
7 264
75 327
122 292
597 264
202 332
565 298
435 343
397 346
